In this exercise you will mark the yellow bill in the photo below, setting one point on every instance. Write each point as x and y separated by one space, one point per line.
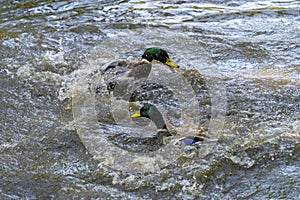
136 115
170 63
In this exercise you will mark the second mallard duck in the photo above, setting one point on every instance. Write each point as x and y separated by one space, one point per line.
151 112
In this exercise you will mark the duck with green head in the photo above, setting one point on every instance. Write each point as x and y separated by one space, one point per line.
150 54
151 112
135 69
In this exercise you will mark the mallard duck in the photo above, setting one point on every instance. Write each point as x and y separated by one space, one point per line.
150 54
134 69
151 112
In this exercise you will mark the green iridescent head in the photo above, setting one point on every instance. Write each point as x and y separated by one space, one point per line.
145 111
159 54
151 112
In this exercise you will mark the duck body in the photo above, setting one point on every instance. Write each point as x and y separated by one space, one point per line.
149 55
127 74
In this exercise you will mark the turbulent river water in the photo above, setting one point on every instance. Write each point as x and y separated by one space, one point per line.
64 136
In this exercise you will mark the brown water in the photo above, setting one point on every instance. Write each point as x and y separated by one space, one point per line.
47 48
